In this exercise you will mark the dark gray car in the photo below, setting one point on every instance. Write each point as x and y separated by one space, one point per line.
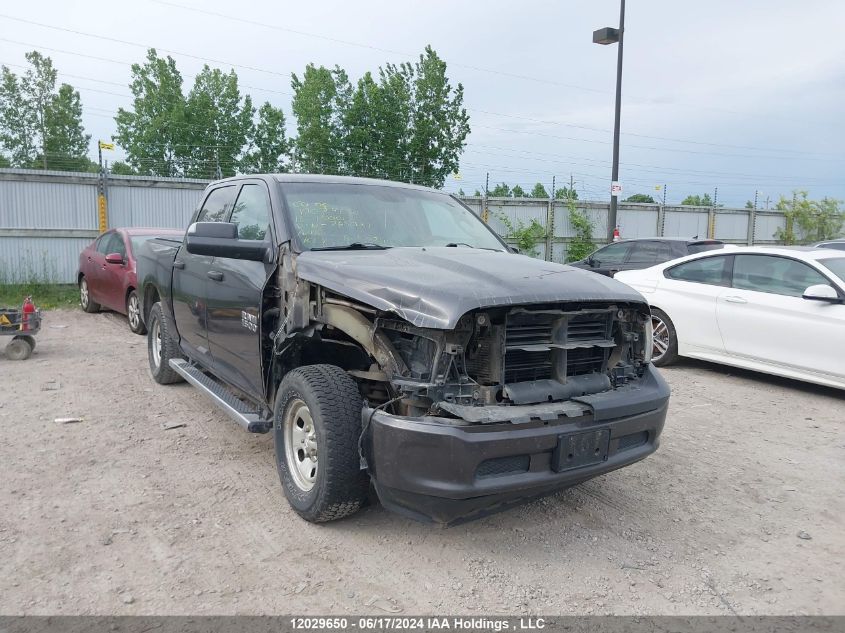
641 253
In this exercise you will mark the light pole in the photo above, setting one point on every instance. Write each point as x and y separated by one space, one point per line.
609 35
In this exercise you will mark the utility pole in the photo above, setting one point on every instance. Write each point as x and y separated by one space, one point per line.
756 193
485 212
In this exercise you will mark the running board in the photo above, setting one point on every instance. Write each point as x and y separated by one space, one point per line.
239 411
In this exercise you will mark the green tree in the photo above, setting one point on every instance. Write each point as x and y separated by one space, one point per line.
501 191
539 191
697 201
518 192
478 194
564 193
809 220
461 193
749 204
65 141
269 151
408 125
219 123
154 133
119 168
319 110
17 122
39 125
641 198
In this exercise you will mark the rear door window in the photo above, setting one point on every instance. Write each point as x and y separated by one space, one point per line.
217 205
714 271
110 243
775 275
650 253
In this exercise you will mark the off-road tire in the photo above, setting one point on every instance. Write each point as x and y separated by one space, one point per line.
671 353
335 404
18 349
160 325
139 327
85 300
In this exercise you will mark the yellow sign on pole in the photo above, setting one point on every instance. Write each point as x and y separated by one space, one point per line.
104 145
102 213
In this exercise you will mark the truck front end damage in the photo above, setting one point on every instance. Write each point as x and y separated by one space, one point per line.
511 403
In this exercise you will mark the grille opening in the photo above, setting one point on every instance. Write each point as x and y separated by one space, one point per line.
526 330
503 466
632 441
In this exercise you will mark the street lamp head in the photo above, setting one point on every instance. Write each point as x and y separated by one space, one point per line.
607 35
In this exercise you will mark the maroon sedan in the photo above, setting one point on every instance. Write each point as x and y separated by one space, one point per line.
107 272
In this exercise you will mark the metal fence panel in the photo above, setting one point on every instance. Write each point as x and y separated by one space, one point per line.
56 205
731 226
766 226
156 206
42 259
681 223
637 222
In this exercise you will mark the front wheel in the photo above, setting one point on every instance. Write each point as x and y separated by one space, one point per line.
161 347
665 343
88 304
133 314
316 427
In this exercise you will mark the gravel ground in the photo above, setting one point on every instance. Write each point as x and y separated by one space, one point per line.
740 511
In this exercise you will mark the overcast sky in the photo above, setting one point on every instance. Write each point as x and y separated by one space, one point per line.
743 96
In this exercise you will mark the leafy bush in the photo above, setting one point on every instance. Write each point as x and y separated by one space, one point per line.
527 236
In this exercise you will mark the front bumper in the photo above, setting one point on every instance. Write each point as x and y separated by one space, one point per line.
433 470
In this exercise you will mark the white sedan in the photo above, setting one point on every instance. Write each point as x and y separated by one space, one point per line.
779 310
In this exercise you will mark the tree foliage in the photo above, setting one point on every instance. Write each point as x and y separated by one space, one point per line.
581 244
642 198
526 234
153 133
409 124
565 193
809 220
269 150
697 201
539 191
40 125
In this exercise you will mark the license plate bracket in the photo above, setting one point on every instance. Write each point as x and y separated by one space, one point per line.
576 450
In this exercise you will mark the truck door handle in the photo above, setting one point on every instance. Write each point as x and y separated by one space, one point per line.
216 275
178 263
735 299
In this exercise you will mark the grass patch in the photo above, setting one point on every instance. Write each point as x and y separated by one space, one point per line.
45 296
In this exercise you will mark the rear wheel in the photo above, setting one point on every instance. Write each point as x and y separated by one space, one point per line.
665 345
133 314
85 300
161 347
317 423
18 348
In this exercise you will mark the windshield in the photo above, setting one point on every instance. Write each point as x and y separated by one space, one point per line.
328 215
836 266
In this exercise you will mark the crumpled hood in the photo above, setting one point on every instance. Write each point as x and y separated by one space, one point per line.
434 286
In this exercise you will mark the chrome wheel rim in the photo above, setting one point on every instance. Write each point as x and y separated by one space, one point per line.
660 341
155 339
134 312
83 293
300 444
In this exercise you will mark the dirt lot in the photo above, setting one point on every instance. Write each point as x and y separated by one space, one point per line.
740 511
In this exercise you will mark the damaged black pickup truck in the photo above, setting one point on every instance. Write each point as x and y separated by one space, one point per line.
386 335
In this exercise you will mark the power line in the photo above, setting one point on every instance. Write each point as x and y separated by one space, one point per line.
545 122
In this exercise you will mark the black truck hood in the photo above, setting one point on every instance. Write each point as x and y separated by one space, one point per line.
434 287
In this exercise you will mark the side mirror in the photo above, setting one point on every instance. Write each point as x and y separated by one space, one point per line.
515 250
114 258
220 239
822 292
